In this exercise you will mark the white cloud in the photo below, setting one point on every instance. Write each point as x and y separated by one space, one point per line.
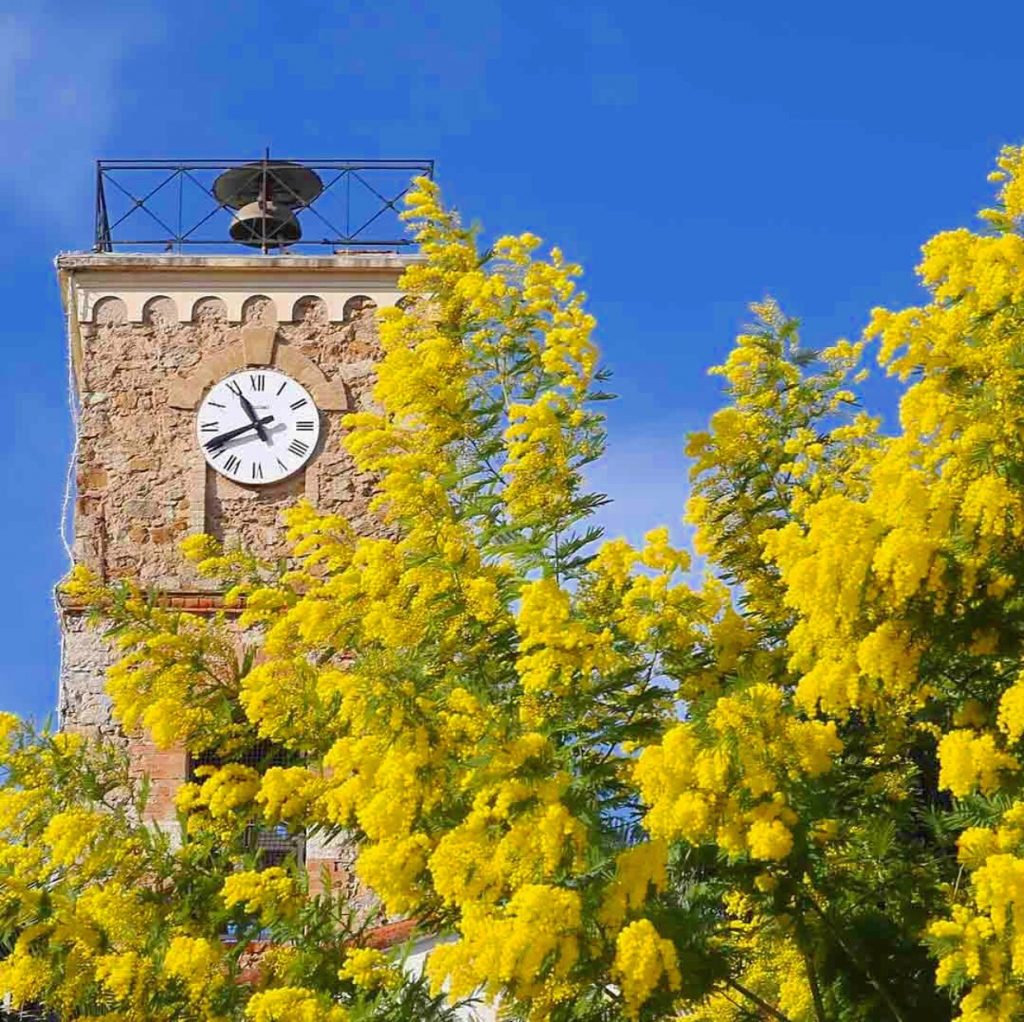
59 82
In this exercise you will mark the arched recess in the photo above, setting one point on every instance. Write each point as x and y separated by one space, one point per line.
309 309
355 305
160 311
209 309
259 309
109 310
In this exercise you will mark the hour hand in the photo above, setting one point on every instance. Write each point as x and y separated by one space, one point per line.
251 412
223 438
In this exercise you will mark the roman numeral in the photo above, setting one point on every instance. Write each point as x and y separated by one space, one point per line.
257 470
306 426
209 427
257 381
235 389
298 448
215 405
296 405
284 467
279 389
232 463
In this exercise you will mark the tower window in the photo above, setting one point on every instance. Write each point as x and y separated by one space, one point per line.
275 845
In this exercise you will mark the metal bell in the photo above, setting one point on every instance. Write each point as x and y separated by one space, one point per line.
263 224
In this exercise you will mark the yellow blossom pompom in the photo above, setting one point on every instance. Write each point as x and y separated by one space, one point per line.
269 893
70 833
369 969
1011 710
975 845
292 1004
286 793
511 948
614 560
122 974
658 553
769 839
199 547
9 724
644 960
970 762
482 599
198 963
637 871
23 977
229 787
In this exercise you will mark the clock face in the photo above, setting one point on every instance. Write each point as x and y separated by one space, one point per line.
257 426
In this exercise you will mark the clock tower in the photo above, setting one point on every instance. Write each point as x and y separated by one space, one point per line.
210 389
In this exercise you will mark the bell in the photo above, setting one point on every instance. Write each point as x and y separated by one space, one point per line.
265 224
283 181
266 196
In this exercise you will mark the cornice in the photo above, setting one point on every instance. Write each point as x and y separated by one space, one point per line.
135 280
132 262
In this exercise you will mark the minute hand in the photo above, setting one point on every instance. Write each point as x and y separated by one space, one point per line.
251 412
219 441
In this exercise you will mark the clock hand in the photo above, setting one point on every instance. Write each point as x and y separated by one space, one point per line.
251 412
219 441
258 423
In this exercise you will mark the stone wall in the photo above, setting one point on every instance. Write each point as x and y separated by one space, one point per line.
83 705
143 483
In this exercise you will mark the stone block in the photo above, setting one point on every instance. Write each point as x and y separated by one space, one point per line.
92 479
258 343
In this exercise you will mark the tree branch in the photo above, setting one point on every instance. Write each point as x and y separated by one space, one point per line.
759 1001
871 978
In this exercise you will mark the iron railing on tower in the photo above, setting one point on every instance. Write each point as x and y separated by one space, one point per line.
173 205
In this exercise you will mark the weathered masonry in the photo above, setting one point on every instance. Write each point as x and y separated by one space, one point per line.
151 337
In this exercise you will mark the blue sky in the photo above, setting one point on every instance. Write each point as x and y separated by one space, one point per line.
693 155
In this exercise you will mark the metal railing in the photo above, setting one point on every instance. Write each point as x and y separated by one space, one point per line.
171 205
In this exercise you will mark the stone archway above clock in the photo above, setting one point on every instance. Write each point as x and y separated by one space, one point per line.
257 345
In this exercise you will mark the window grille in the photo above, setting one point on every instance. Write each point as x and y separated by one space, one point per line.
274 844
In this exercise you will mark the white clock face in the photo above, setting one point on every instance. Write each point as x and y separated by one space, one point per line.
257 426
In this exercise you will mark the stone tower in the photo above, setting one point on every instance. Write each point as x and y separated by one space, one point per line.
151 336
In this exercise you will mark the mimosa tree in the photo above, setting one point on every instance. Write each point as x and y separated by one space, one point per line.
785 786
